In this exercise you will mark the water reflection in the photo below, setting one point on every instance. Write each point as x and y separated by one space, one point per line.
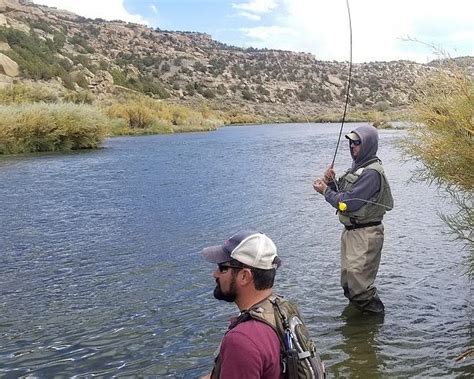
359 333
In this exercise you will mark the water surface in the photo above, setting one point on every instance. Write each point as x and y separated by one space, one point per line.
101 273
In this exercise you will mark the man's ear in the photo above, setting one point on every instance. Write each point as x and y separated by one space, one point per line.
246 276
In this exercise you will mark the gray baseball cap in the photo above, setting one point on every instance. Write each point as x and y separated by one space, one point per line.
251 248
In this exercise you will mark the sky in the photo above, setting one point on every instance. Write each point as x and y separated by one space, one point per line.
382 30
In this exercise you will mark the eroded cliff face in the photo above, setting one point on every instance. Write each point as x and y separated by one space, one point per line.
189 67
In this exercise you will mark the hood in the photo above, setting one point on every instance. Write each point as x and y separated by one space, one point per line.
369 145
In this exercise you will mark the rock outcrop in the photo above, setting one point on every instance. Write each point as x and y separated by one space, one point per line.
8 66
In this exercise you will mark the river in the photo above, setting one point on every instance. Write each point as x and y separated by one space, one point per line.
101 273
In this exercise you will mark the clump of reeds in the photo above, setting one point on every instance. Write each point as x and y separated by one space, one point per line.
40 127
143 115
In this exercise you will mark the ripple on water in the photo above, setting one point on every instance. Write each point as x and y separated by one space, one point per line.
102 276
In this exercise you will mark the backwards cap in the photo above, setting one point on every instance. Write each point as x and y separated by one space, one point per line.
251 248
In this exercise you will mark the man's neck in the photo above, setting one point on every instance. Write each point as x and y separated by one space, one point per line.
249 301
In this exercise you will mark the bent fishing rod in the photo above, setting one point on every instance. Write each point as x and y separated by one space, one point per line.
349 80
348 91
348 85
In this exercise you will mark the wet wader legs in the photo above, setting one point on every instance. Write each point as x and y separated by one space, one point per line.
360 258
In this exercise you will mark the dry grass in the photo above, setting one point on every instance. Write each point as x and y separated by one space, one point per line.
143 115
442 140
39 127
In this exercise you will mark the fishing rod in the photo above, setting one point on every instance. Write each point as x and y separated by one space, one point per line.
348 84
347 91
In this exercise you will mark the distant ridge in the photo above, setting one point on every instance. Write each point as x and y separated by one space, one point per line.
191 68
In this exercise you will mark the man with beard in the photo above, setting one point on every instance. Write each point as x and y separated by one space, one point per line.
246 268
361 196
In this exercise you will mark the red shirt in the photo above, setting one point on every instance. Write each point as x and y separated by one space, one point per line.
250 350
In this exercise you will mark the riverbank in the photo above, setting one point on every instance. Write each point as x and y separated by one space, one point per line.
33 120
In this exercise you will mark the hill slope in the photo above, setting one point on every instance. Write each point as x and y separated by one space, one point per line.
61 48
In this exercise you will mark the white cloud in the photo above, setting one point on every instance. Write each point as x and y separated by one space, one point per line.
263 33
321 27
250 16
256 6
106 9
154 9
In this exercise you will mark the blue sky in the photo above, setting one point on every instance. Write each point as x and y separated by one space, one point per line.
380 27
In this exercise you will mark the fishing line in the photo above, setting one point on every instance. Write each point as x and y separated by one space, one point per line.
291 89
348 84
343 206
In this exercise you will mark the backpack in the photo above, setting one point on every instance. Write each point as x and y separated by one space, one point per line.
298 351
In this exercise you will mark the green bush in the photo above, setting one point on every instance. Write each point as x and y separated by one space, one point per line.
36 58
208 93
119 77
50 127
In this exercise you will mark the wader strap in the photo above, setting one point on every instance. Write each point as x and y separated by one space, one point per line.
358 226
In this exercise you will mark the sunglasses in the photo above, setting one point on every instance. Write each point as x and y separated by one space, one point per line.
224 267
355 143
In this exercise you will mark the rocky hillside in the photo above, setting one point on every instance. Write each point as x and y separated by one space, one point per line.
55 46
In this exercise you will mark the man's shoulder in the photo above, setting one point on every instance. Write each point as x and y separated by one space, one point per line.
252 336
252 326
253 330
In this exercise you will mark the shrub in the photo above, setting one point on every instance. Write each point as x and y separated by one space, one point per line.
442 140
443 136
136 113
50 127
81 97
143 115
81 80
198 66
22 93
248 95
119 77
36 58
382 106
208 93
190 90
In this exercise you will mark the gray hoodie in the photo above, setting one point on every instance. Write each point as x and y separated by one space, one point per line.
368 148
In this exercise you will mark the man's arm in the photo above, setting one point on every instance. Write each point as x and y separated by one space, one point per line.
366 186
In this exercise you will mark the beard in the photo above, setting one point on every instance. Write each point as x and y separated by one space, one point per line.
228 296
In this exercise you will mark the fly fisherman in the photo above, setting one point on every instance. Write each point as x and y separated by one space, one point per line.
361 196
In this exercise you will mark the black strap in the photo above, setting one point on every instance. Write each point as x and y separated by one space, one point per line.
358 226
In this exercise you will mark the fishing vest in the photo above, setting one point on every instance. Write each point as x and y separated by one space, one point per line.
283 317
369 212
